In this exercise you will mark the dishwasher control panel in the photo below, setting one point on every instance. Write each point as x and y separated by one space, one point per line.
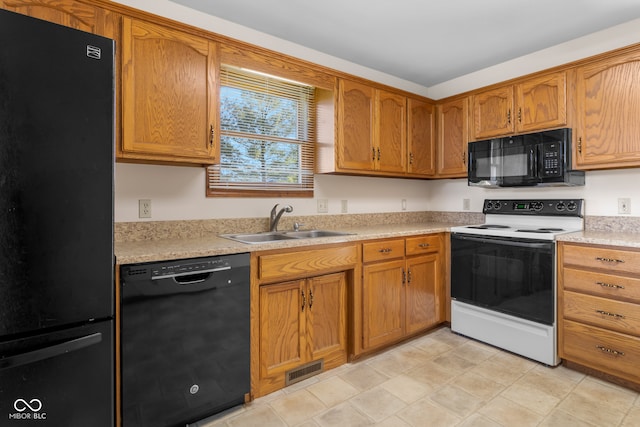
176 268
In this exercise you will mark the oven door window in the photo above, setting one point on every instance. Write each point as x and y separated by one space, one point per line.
512 276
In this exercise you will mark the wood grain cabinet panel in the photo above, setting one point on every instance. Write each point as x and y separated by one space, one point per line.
73 14
453 138
169 95
402 291
421 135
599 309
355 143
607 128
534 104
391 132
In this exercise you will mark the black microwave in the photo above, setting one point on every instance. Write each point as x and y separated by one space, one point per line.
534 159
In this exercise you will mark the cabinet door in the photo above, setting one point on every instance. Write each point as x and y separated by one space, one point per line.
327 319
422 291
453 137
355 148
493 113
382 303
421 138
66 12
391 132
168 94
608 109
282 328
542 103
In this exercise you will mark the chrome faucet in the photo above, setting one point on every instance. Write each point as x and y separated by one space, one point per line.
274 218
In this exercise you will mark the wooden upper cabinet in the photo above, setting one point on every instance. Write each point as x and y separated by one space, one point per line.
169 95
453 137
534 104
493 113
541 102
608 108
355 149
69 13
421 138
390 134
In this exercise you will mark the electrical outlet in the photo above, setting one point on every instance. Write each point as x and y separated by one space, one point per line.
144 208
344 206
466 204
404 204
323 205
624 206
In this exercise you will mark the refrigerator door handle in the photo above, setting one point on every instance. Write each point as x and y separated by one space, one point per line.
50 351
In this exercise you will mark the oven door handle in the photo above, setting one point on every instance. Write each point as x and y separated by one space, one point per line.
537 244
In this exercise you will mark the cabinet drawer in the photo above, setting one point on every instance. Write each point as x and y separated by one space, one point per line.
613 260
601 284
378 251
611 352
305 263
607 313
423 244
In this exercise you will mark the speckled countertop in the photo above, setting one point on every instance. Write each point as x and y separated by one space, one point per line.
157 241
177 248
611 238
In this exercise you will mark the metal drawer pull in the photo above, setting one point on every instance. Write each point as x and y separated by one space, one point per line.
608 285
610 350
310 298
608 259
304 300
424 245
606 313
385 250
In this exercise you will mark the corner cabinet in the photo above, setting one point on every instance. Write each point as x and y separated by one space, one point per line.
534 104
599 309
402 288
300 325
169 95
382 133
453 137
606 135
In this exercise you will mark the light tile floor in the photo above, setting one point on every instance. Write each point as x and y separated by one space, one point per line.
441 379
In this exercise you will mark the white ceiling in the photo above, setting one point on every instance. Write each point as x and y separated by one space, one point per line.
424 41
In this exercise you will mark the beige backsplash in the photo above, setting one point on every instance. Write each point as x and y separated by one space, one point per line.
158 230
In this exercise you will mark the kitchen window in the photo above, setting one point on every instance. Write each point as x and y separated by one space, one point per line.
267 136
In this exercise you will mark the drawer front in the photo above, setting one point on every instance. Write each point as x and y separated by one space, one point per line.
613 260
306 263
423 244
601 284
607 313
611 352
384 250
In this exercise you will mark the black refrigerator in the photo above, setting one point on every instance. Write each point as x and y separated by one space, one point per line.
56 225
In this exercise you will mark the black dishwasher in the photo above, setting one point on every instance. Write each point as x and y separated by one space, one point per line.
184 339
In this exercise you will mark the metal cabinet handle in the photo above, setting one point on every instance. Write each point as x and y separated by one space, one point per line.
519 114
212 135
310 298
509 116
606 313
580 145
464 158
385 250
610 350
409 277
373 151
410 158
609 260
404 277
304 300
378 153
424 245
608 285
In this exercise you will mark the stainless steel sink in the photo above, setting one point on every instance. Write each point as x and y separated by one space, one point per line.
282 235
311 234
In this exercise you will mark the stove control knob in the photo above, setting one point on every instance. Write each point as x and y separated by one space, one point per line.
496 205
489 205
537 206
572 206
560 206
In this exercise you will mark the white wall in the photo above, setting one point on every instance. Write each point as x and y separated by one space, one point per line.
178 192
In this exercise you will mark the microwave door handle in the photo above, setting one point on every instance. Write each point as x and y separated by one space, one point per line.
534 159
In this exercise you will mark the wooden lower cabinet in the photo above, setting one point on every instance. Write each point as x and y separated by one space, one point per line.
301 321
401 296
599 309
